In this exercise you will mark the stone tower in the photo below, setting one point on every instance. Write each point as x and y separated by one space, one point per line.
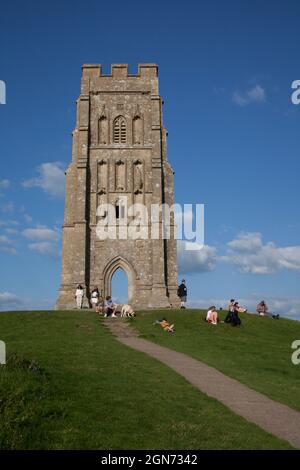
119 153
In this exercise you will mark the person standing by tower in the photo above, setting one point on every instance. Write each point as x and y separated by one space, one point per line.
182 293
95 298
79 296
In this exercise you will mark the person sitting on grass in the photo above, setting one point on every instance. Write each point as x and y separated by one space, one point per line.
110 307
100 306
165 325
263 310
212 315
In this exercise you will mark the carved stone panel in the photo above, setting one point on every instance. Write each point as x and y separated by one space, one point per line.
120 175
137 127
138 176
103 127
102 177
103 134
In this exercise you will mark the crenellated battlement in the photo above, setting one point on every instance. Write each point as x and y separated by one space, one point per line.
119 71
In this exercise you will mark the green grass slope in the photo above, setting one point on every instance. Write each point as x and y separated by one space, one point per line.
258 353
69 384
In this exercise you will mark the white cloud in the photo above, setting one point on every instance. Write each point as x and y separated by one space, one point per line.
4 184
286 307
249 253
5 240
51 178
7 207
43 248
11 231
206 303
195 261
41 233
239 99
28 219
256 94
5 223
9 301
8 249
6 245
246 242
44 240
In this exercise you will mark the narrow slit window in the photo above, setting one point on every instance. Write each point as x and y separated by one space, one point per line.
120 211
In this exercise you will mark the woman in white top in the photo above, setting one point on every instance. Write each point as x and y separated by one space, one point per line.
79 296
95 297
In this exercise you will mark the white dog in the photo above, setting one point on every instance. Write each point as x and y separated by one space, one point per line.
127 311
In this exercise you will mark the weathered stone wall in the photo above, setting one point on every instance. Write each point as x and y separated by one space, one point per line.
119 153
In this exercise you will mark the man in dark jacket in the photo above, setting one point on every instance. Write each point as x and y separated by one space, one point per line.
182 293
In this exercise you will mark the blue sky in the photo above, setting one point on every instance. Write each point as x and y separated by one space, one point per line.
225 71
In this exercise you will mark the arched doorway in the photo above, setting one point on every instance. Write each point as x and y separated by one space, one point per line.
120 263
119 286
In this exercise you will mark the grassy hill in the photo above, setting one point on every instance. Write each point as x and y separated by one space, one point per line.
258 353
69 384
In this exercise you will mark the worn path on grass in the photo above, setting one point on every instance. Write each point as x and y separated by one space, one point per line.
273 417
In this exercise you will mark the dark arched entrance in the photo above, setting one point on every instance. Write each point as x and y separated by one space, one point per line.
115 264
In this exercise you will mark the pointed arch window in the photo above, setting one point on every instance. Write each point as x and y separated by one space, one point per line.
120 131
